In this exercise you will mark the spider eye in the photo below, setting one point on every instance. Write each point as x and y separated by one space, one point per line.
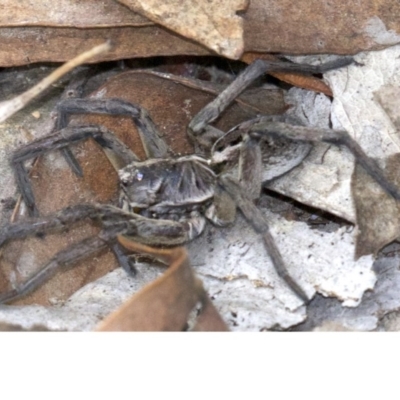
139 176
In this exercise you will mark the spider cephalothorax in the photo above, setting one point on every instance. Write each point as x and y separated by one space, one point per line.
167 186
166 200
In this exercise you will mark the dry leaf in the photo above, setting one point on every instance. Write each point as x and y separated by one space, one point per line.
378 214
315 27
30 33
213 23
166 303
68 13
258 100
298 80
21 46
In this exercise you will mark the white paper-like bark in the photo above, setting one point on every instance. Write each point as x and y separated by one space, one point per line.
245 287
323 180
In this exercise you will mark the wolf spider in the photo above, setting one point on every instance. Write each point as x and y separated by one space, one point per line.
164 200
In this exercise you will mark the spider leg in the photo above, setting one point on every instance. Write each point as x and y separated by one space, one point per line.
260 224
263 126
51 223
154 145
199 128
222 211
247 189
124 260
64 258
250 167
151 231
74 89
60 140
114 220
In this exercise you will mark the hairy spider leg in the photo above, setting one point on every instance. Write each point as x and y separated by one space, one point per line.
264 126
260 225
74 89
204 134
246 189
153 144
64 258
114 221
60 140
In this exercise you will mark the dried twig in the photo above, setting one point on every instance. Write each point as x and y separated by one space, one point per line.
10 107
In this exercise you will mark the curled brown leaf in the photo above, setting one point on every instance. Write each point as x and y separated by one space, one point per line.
166 303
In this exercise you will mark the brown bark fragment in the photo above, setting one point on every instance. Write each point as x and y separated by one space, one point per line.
30 32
